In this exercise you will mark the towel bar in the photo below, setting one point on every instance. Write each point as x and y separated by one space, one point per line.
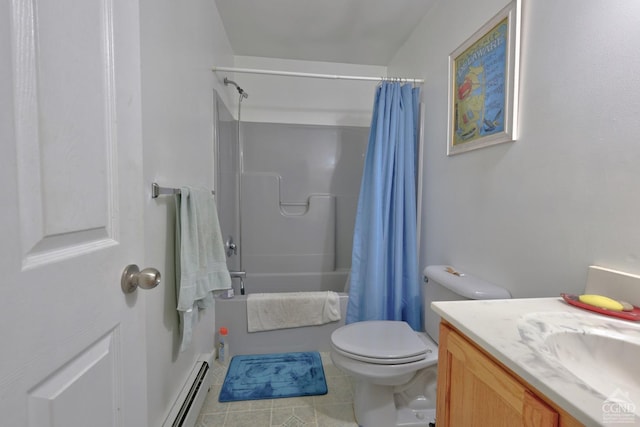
156 190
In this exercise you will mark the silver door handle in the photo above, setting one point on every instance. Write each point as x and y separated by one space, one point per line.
132 278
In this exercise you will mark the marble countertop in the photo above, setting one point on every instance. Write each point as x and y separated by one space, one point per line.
513 331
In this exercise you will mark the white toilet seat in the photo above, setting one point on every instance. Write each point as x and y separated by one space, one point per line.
379 342
376 361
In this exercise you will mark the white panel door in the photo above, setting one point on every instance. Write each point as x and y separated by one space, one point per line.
72 349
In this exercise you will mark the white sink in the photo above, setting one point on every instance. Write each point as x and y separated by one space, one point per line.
600 352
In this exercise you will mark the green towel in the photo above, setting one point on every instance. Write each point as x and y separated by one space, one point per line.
201 264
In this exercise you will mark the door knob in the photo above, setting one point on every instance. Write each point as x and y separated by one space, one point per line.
132 278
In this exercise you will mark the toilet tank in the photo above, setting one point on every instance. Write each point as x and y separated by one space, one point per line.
444 283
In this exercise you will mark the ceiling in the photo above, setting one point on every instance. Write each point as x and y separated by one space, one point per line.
350 31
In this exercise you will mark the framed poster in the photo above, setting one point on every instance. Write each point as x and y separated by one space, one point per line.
483 84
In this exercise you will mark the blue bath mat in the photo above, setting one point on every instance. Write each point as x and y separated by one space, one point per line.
271 376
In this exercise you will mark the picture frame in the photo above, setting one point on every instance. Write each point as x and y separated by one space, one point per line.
483 84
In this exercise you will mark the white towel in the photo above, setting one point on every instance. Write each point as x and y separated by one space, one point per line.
283 310
201 264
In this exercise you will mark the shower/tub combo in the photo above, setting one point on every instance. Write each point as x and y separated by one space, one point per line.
287 196
232 314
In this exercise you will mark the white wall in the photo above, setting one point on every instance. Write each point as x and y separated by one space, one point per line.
532 215
180 42
296 100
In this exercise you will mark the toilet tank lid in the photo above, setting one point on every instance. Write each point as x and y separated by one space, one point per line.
464 284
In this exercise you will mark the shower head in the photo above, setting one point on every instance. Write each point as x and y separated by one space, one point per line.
242 93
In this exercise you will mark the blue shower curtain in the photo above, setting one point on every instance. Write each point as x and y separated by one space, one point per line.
384 283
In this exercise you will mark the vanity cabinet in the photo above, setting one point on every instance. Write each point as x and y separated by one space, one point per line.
474 389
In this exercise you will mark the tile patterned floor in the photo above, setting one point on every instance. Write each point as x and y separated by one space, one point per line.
335 409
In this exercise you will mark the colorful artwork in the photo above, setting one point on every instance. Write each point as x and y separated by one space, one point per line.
483 84
480 87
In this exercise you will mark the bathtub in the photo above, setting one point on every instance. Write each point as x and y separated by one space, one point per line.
232 314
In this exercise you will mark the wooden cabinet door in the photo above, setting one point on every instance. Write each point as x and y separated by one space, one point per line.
475 391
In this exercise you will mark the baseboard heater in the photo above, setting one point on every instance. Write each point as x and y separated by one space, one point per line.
187 406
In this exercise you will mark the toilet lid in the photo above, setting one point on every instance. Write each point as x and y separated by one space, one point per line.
379 341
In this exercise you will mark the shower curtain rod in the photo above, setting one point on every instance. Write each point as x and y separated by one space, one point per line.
314 75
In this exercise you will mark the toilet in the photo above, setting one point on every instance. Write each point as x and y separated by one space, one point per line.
395 367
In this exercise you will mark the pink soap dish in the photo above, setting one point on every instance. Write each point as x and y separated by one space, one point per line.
627 315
